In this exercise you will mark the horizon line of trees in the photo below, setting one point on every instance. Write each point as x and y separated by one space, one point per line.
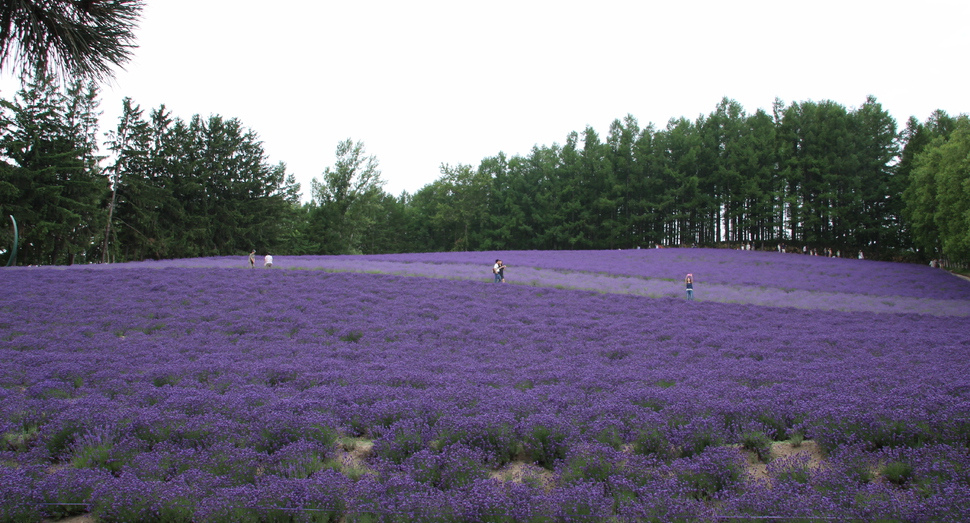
812 174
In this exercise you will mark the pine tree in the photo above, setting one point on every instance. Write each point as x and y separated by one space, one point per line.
58 191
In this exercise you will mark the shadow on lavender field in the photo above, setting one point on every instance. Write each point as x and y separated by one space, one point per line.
214 393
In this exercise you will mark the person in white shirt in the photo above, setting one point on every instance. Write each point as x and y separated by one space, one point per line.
268 261
498 270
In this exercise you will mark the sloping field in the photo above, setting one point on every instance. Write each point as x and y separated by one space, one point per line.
201 390
757 278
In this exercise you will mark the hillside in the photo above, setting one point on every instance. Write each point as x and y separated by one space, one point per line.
313 392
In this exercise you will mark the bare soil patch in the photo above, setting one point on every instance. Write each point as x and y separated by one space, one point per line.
522 472
758 470
352 455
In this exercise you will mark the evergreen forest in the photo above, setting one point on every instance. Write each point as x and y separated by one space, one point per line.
806 175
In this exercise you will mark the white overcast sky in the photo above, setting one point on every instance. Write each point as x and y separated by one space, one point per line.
423 83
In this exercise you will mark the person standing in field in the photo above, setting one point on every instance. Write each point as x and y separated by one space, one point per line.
252 259
268 261
497 270
689 280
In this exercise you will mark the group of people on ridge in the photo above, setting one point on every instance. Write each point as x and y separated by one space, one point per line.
267 260
498 270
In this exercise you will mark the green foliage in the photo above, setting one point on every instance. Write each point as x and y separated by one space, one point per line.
20 510
92 456
298 466
652 441
814 173
86 39
897 472
546 445
66 499
349 208
101 450
776 427
757 442
525 385
352 336
174 189
451 212
197 188
352 471
21 440
60 440
448 473
588 466
166 379
497 440
610 436
53 185
704 485
938 198
795 473
698 442
403 445
837 172
861 471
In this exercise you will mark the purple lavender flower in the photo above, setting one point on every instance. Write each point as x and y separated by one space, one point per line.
196 391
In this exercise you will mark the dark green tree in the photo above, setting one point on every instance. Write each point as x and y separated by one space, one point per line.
916 230
820 166
876 222
757 194
938 196
75 38
504 213
649 189
201 188
392 229
53 184
347 204
518 200
130 176
455 207
681 203
570 197
624 177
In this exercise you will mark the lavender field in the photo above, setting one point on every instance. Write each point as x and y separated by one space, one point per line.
409 388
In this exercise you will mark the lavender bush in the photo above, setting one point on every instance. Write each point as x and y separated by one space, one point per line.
200 390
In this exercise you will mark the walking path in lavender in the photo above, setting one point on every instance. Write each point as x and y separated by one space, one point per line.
657 288
610 283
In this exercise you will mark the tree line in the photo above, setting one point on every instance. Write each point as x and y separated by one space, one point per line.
807 174
171 189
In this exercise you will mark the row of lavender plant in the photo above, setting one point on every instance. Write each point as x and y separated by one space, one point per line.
232 395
